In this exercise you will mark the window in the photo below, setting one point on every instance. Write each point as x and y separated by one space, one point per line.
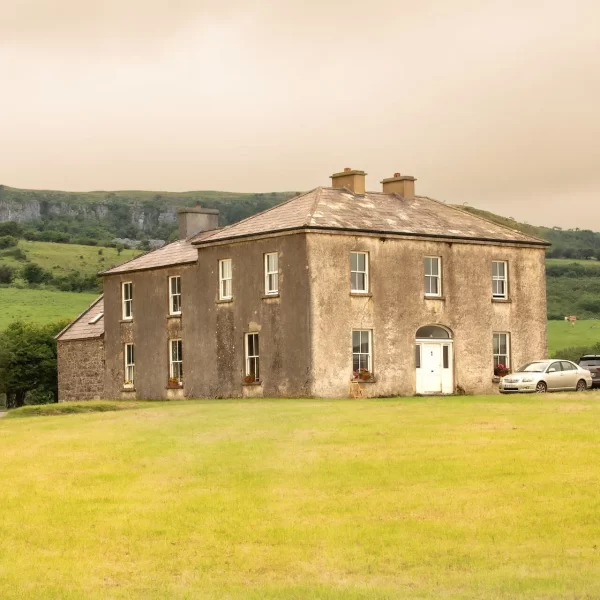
252 357
501 350
175 361
418 356
225 284
129 365
271 273
499 280
433 276
359 272
361 351
445 357
175 295
127 295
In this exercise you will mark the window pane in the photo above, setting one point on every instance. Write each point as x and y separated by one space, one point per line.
353 261
445 357
361 281
496 344
362 262
356 341
502 343
364 342
355 362
418 356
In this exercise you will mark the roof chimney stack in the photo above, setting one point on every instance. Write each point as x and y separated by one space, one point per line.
403 185
194 220
350 179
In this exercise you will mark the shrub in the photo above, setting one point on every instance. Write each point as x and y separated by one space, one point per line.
8 241
7 274
33 273
16 253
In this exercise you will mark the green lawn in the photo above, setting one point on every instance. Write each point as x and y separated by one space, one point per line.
562 334
40 306
457 497
62 259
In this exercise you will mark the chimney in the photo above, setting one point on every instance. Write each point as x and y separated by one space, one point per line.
194 220
348 178
403 185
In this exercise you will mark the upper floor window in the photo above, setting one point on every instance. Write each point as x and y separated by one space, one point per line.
252 357
499 279
433 276
127 296
175 361
175 295
271 273
225 279
129 365
501 351
359 272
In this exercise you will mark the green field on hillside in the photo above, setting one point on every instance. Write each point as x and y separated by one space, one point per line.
562 334
40 306
457 497
62 259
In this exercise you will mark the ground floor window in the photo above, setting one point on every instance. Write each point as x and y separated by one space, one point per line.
501 352
129 365
252 358
362 356
175 361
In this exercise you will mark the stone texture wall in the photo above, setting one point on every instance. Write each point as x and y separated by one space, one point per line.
80 369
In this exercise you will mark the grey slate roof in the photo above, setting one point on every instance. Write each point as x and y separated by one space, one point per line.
340 209
176 253
81 328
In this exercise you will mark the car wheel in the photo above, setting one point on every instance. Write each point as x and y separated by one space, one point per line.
581 386
541 387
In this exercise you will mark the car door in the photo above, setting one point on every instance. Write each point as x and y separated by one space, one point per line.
554 376
569 378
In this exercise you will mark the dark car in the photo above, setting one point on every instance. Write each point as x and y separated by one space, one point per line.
591 362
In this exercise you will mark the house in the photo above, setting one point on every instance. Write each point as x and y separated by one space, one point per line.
405 293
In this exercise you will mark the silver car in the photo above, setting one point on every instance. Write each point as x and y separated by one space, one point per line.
547 376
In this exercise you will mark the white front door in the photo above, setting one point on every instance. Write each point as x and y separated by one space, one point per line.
431 367
434 367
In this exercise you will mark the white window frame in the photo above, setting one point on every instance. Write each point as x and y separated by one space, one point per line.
354 289
175 296
129 364
225 279
252 359
127 300
360 354
271 274
497 355
176 364
430 276
500 281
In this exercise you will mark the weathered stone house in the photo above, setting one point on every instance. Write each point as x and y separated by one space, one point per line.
407 293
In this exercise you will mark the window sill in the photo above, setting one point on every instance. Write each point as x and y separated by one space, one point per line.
502 300
224 301
267 296
128 388
372 380
252 383
126 320
174 316
175 387
362 294
434 297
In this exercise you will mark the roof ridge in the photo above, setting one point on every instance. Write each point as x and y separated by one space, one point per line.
87 310
264 212
466 212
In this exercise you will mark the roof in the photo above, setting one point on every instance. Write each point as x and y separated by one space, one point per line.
372 212
175 253
89 324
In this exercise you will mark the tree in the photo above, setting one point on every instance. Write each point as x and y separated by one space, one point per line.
28 361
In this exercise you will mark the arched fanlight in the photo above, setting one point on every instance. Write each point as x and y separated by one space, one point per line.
433 332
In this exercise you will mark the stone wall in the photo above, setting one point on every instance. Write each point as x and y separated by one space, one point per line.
80 369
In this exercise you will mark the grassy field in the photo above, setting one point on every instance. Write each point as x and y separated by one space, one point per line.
62 259
458 497
40 306
590 264
562 334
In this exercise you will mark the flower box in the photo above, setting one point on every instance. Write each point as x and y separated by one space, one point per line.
173 382
362 375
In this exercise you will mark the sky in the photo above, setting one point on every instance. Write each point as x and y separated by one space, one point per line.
495 104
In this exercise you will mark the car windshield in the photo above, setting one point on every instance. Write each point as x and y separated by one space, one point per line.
534 367
589 362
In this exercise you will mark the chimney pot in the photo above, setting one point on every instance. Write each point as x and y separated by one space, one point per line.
396 174
350 179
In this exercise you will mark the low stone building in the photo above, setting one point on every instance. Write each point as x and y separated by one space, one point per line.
399 293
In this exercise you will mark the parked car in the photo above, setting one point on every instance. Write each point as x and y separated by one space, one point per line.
591 362
547 376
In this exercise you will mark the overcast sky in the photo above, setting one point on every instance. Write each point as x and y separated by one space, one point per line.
496 104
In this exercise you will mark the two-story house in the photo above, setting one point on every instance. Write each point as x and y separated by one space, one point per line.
405 293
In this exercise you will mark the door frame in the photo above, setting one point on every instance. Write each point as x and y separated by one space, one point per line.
447 374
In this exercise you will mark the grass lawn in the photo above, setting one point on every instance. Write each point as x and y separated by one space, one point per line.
562 334
40 306
458 497
62 259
